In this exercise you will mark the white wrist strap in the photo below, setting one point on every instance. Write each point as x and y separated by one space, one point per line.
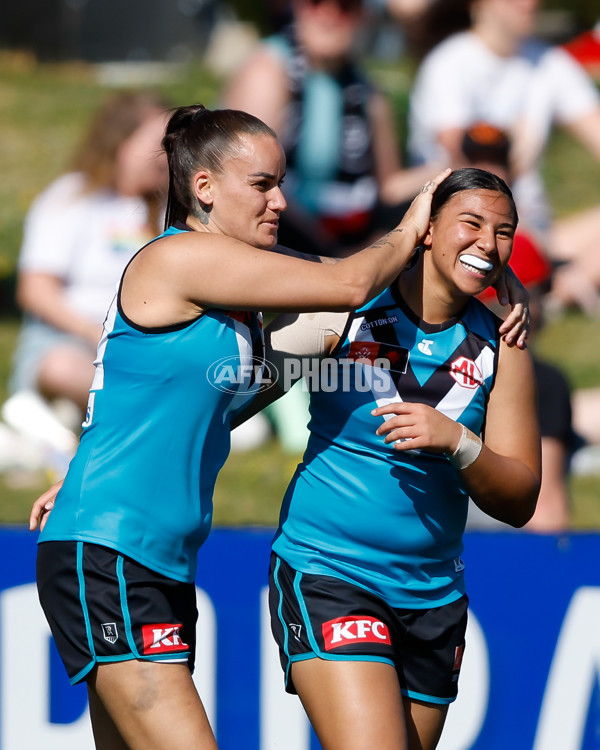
468 448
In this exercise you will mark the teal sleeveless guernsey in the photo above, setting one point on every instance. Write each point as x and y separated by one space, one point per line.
358 510
155 437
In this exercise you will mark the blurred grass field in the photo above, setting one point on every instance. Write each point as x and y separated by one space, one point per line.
44 111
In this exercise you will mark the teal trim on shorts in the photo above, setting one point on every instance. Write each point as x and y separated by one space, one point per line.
80 675
281 620
125 607
304 657
305 615
426 698
343 657
179 657
88 629
113 659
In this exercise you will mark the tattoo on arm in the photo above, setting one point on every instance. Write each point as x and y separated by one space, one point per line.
385 240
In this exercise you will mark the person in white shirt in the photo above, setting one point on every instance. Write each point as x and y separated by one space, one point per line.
496 72
79 234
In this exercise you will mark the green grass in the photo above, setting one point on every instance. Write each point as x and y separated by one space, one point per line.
571 342
45 108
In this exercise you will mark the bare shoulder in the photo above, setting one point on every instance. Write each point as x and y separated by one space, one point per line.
174 248
165 263
155 288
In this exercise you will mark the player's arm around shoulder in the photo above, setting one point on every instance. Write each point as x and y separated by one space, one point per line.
504 481
178 277
293 341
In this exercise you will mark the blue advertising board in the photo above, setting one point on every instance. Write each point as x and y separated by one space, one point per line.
530 677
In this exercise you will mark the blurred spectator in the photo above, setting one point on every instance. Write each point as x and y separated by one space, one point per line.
586 409
585 48
79 234
425 23
487 147
391 27
344 181
497 73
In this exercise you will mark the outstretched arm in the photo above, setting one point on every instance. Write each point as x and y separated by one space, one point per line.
212 270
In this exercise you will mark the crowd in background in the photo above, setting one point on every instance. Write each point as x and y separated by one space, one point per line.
487 91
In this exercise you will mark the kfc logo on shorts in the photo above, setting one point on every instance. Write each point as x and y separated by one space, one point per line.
466 373
162 638
344 631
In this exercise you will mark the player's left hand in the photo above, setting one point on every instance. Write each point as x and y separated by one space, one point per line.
411 426
510 291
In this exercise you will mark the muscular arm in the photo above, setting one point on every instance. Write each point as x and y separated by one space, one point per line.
504 481
176 278
213 270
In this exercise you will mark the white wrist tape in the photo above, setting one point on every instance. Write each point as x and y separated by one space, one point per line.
468 448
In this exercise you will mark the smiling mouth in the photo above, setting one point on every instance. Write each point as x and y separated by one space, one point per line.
476 264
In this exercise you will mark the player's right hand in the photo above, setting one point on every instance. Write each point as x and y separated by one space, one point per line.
42 506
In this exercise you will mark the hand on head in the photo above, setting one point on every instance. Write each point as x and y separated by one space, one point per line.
419 211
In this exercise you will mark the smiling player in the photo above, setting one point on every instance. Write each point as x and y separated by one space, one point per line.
368 599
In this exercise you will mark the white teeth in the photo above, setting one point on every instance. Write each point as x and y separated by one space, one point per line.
479 263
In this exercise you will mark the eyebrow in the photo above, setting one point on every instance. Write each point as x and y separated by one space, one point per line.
267 175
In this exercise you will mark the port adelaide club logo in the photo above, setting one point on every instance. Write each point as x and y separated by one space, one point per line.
109 631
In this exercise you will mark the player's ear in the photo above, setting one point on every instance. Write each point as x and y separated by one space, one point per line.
427 239
202 187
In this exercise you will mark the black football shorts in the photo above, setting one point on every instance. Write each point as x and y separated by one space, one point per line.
104 607
326 617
